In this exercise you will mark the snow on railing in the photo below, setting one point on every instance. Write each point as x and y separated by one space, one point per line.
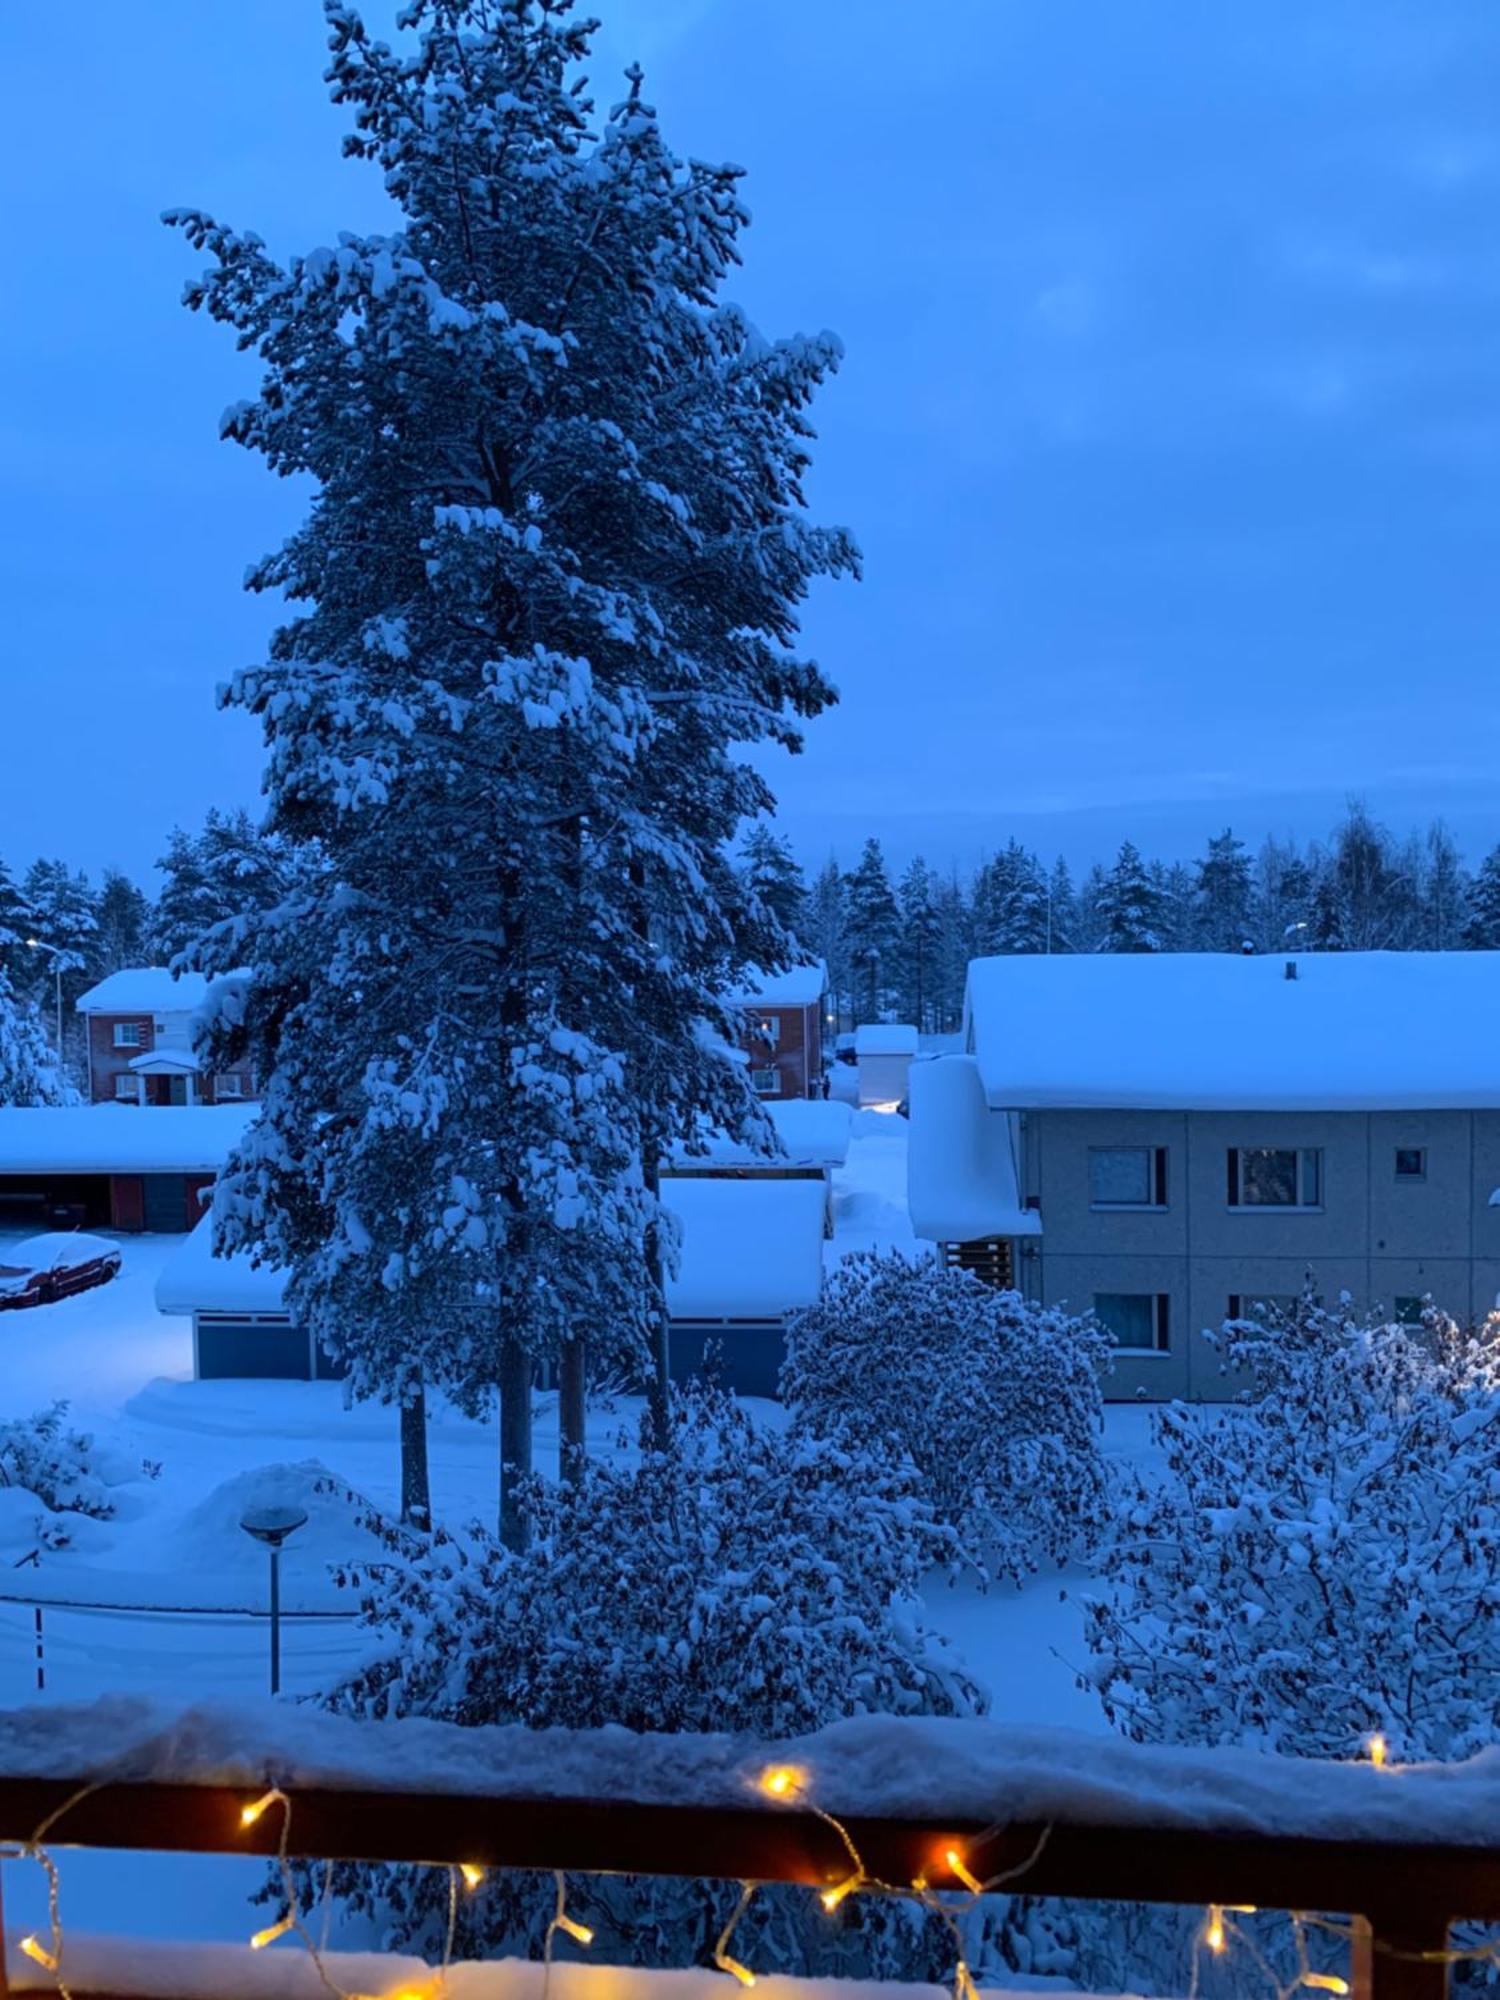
927 1808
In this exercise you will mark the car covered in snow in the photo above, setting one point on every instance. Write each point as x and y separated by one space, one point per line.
49 1267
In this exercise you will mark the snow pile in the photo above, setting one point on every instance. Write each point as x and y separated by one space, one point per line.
961 1158
1204 1031
209 1539
927 1768
813 1132
885 1038
145 989
798 986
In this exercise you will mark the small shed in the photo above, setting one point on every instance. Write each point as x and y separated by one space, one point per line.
751 1254
883 1052
812 1137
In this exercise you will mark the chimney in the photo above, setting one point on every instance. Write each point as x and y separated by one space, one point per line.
1291 968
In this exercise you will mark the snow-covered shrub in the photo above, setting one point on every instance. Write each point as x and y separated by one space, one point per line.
1321 1561
993 1398
31 1071
745 1580
66 1471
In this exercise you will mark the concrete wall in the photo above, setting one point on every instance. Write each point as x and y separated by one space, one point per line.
1375 1236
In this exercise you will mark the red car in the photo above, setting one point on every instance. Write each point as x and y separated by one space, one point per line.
44 1268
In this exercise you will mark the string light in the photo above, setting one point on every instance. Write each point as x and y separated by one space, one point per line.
1379 1750
271 1932
251 1813
1325 1982
38 1953
831 1898
733 1967
472 1873
963 1983
1213 1934
962 1870
782 1781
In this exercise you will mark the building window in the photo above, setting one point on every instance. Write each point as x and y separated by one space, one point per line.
127 1034
1275 1177
765 1028
1411 1163
765 1082
1138 1320
228 1086
1409 1311
1128 1176
125 1086
1266 1307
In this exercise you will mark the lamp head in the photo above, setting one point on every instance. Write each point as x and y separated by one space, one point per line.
272 1525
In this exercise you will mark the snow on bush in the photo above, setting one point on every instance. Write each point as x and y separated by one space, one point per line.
745 1580
993 1398
64 1471
1321 1561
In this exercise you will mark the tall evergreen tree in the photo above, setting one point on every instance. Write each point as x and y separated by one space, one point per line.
1062 909
552 574
827 933
231 869
1444 893
872 923
18 921
774 876
1482 930
1010 902
921 940
124 917
1222 895
31 1071
1129 905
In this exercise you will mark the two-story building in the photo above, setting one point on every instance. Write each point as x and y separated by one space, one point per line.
783 1030
1175 1140
140 1042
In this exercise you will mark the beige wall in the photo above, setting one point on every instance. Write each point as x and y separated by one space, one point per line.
1376 1237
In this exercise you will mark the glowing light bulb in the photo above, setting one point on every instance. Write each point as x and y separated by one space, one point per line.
574 1929
733 1967
472 1873
39 1954
1326 1982
963 1979
833 1897
1213 1934
782 1781
1379 1750
251 1813
270 1934
961 1869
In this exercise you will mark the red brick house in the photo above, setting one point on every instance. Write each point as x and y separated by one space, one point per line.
140 1042
783 1035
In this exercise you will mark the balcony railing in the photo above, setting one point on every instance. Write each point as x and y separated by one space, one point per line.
1404 1853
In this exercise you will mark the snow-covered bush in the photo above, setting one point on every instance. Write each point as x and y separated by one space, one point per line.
1321 1561
30 1069
745 1580
993 1398
66 1471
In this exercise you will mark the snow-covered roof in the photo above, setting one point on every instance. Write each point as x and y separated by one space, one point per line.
1206 1031
120 1138
960 1158
813 1132
750 1250
885 1038
144 989
798 986
157 1062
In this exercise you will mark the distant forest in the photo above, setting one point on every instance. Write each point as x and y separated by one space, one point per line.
897 950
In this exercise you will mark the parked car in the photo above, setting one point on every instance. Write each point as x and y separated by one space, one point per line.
49 1267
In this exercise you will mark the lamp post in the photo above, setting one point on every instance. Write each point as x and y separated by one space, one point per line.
271 1526
40 944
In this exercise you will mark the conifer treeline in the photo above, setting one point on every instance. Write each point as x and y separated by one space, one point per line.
898 949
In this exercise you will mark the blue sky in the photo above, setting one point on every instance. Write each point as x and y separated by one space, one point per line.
1170 424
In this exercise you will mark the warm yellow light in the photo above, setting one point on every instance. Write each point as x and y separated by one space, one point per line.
961 1869
1213 1934
36 1950
1326 1982
733 1967
251 1813
834 1896
782 1781
270 1934
472 1873
1379 1750
964 1981
574 1929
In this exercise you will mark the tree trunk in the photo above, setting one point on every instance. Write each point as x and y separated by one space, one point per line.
416 1494
515 1442
572 1408
659 1356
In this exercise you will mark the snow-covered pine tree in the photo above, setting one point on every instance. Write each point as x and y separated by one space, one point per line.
232 868
1482 931
955 947
1010 902
1062 909
921 939
774 875
827 933
993 1398
553 571
1221 912
18 921
31 1071
1128 906
124 917
1445 893
872 924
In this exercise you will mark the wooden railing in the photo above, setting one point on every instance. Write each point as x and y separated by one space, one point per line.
1408 1893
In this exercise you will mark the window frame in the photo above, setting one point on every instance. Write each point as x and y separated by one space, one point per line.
1157 1177
127 1087
127 1035
1407 1308
1234 1192
763 1089
1161 1324
230 1087
1409 1152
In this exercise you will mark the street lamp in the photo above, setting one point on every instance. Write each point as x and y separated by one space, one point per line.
40 944
271 1526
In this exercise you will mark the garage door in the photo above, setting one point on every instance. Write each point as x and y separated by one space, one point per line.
743 1355
250 1349
166 1203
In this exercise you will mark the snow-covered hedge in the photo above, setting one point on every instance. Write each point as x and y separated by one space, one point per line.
64 1471
993 1398
1322 1561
